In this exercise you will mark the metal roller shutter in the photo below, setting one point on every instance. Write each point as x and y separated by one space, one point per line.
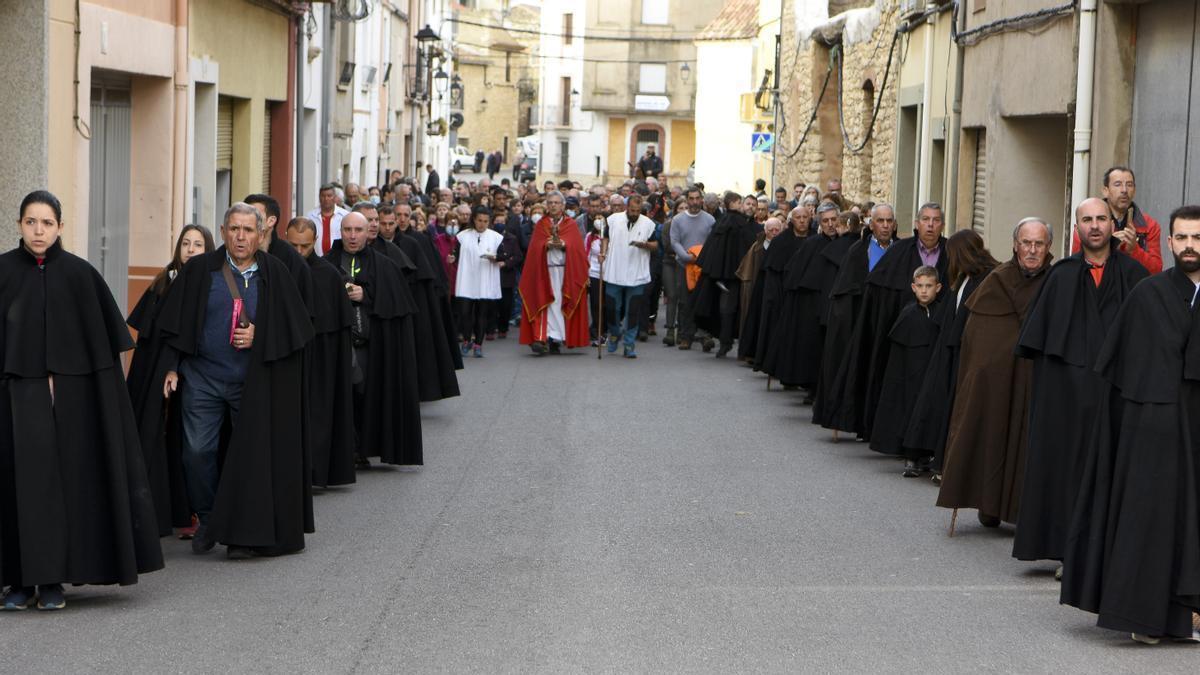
224 134
266 184
979 203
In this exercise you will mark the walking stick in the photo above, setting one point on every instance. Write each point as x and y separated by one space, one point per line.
953 521
600 323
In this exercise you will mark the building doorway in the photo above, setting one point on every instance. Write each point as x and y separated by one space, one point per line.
643 136
109 185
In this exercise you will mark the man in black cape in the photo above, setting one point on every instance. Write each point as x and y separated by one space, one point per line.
794 356
75 507
441 289
386 406
1062 334
1133 549
756 338
330 423
435 351
715 300
242 355
860 375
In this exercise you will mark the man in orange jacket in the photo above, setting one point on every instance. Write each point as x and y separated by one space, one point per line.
1138 233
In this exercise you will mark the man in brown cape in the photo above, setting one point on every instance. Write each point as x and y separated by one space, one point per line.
988 433
751 265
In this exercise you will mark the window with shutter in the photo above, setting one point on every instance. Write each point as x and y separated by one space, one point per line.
979 203
224 133
266 173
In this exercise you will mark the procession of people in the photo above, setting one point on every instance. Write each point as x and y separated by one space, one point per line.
275 359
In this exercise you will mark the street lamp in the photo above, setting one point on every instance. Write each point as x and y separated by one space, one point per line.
456 92
685 72
426 34
440 80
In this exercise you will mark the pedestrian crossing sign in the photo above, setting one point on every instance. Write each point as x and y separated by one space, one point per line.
762 142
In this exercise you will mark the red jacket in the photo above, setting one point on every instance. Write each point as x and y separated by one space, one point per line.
1148 251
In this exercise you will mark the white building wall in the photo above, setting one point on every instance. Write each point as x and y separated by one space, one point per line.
587 133
314 86
723 154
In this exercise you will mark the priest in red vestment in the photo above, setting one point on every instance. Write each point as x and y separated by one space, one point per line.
554 283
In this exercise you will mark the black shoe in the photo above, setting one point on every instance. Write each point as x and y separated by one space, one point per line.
555 347
361 462
538 348
643 337
910 469
707 345
988 521
202 542
668 340
809 399
925 464
240 553
723 351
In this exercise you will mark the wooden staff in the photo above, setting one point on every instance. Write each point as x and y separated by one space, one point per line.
600 322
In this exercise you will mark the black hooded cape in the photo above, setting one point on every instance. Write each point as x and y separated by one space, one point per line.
930 420
435 349
845 299
727 243
392 419
1062 334
1133 548
264 498
74 502
860 375
159 423
757 339
331 412
911 343
441 288
794 356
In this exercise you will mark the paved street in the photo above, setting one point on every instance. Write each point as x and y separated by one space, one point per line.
667 514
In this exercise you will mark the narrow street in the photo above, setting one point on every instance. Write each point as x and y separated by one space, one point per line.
694 522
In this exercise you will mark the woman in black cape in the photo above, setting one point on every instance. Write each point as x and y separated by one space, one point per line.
158 418
74 503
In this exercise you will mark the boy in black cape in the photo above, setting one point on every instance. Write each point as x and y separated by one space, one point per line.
794 356
74 503
1133 550
330 425
1062 334
715 300
243 368
860 376
911 343
386 406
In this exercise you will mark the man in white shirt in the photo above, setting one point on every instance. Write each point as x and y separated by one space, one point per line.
328 218
625 267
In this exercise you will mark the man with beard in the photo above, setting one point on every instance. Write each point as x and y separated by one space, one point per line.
1062 335
330 422
794 357
238 328
989 423
554 283
1133 549
845 300
715 305
887 289
689 230
1137 233
766 303
387 413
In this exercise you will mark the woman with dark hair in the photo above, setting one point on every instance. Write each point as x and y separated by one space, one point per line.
970 262
74 504
158 418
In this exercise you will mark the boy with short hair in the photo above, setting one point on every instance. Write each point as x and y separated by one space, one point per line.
911 343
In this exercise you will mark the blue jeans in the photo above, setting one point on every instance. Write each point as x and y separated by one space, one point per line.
623 299
206 401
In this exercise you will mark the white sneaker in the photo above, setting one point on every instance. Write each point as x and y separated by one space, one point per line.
1144 639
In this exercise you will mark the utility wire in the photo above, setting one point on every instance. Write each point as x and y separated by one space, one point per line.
593 37
568 58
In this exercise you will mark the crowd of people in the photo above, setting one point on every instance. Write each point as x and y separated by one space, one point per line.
1057 397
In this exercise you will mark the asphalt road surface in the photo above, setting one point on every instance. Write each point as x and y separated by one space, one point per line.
667 514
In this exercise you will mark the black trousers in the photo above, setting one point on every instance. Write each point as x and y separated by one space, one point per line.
473 318
729 310
504 309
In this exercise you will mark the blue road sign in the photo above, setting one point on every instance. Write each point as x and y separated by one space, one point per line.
762 142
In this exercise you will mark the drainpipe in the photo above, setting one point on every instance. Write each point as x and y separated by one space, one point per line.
327 80
953 148
179 164
1082 157
778 100
926 156
299 152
